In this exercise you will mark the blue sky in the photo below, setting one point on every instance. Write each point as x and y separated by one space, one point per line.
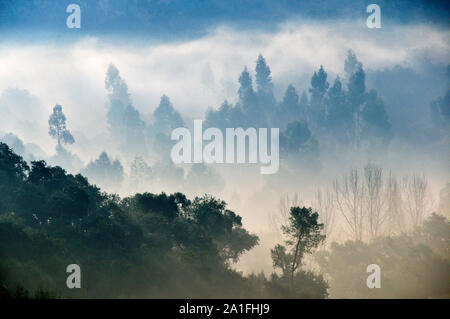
174 19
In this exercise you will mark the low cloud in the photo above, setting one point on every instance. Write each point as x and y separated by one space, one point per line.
195 74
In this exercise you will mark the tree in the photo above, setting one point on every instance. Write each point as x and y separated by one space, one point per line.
304 104
444 201
12 167
324 202
299 147
289 109
49 219
103 171
351 64
14 142
339 115
57 127
297 134
125 123
394 205
220 118
166 117
376 127
319 87
349 197
375 200
263 77
417 198
304 233
245 92
414 264
140 173
435 232
356 97
223 226
252 114
264 86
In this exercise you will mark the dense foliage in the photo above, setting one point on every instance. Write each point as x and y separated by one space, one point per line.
146 245
414 265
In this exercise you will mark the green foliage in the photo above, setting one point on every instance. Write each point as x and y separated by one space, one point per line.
412 266
140 246
303 233
145 245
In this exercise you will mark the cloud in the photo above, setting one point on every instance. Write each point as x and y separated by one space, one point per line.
194 73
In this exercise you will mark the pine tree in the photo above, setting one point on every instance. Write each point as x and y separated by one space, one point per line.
246 93
319 87
339 115
351 64
124 120
356 95
166 117
289 109
264 86
375 120
248 104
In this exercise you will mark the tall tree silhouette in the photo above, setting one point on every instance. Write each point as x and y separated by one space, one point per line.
166 117
264 86
57 127
248 102
377 129
356 97
289 109
339 115
304 233
351 64
125 123
319 87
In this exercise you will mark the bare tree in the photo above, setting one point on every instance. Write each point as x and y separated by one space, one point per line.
349 197
374 199
418 200
394 207
324 204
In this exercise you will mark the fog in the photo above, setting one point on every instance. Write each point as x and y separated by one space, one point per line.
195 74
405 64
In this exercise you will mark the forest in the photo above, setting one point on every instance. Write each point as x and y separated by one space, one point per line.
168 246
362 179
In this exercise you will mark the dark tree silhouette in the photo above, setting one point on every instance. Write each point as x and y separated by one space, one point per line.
319 87
304 233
